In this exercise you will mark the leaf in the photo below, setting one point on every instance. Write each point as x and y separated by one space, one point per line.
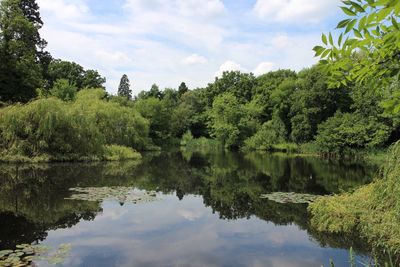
357 7
324 40
395 24
348 11
361 23
350 25
340 39
330 39
326 53
343 23
357 33
318 50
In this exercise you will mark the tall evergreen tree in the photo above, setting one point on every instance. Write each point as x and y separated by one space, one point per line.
124 87
182 89
22 55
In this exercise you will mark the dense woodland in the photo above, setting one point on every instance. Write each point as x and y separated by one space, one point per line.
57 110
66 113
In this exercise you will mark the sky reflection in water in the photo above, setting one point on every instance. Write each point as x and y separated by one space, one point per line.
185 233
209 212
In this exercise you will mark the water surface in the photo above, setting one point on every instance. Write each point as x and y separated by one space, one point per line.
208 213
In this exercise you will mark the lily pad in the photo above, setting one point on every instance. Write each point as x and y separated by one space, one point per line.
119 193
290 197
25 254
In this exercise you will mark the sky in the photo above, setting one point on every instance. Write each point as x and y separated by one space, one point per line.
172 41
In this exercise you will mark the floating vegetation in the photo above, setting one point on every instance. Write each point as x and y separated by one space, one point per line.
119 193
290 197
25 254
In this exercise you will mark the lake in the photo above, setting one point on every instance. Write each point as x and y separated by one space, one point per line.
207 210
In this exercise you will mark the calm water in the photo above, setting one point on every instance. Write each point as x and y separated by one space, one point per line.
209 211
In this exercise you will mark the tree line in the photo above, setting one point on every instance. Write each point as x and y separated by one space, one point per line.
278 110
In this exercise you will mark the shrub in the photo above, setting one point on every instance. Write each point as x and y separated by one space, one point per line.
115 152
265 138
64 90
186 138
49 129
119 125
372 210
351 131
47 126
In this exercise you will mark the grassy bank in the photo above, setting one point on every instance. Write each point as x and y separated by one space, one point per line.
110 153
373 210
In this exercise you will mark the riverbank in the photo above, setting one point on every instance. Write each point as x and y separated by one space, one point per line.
372 211
109 153
376 156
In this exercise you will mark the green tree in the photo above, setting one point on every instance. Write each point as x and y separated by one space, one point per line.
124 87
64 90
93 79
20 48
75 74
31 11
189 116
268 85
312 103
182 89
155 92
226 120
346 131
159 116
241 85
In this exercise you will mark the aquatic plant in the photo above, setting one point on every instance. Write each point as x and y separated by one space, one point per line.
25 254
119 193
372 210
372 262
290 197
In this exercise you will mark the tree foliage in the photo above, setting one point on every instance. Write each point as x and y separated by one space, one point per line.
124 88
20 50
346 131
53 129
368 47
75 74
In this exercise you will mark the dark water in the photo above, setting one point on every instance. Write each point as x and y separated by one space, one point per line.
209 214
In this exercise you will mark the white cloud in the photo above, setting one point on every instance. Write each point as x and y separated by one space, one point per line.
187 8
263 67
75 9
229 66
194 59
116 58
153 40
280 40
294 10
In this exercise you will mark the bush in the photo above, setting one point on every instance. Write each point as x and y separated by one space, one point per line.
48 126
186 138
64 90
346 131
373 210
52 130
119 125
265 138
114 152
